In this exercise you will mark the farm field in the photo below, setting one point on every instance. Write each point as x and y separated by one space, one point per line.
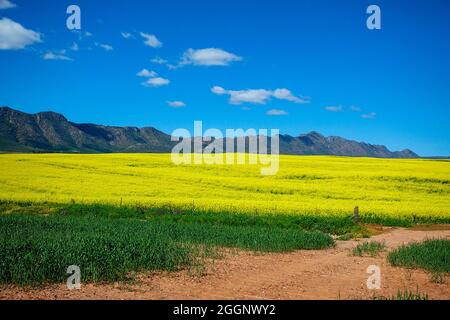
387 191
119 216
34 249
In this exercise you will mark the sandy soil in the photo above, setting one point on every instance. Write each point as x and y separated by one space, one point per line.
317 274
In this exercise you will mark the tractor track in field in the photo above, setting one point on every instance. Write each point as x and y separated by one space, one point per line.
305 274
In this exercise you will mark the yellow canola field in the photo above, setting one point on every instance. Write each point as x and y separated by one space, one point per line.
303 185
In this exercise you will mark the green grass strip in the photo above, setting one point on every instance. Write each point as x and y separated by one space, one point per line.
36 249
366 248
431 255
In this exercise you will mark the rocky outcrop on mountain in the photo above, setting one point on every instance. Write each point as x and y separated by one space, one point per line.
52 132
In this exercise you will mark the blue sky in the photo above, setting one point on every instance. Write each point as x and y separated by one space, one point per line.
333 75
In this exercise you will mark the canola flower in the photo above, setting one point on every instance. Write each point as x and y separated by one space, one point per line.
317 185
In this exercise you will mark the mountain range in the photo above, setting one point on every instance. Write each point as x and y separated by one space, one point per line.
52 132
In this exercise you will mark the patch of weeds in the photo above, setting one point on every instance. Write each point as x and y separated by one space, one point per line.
368 248
345 237
405 295
432 255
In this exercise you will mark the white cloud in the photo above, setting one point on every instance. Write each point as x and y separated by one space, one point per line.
127 35
14 36
208 57
156 82
285 94
104 46
75 47
176 104
370 115
146 73
6 4
355 108
159 60
256 96
218 90
334 108
56 56
276 112
151 40
82 35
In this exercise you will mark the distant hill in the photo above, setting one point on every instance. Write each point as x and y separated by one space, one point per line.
52 132
315 143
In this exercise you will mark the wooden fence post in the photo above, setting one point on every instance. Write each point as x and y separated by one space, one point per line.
356 214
